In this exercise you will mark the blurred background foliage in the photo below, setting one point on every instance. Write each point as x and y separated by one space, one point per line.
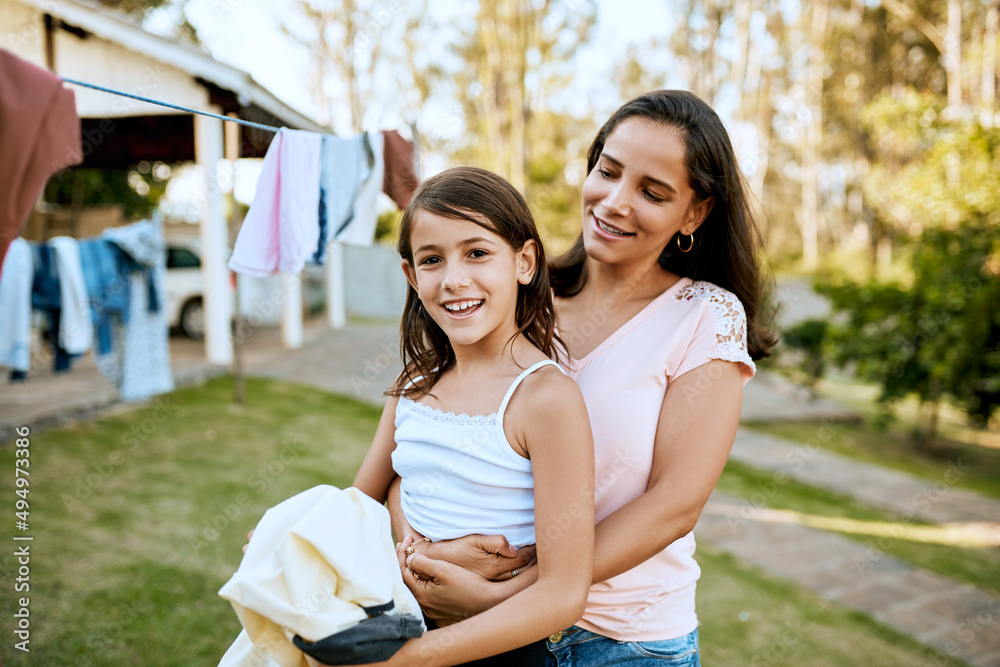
137 190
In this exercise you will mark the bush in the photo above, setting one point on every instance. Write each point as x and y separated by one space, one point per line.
810 337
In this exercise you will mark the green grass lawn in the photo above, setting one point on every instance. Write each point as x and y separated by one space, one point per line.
138 520
920 543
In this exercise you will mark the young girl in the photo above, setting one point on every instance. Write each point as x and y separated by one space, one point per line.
487 434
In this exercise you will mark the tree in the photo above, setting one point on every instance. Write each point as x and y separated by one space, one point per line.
943 48
812 135
938 336
555 175
810 337
741 57
516 59
934 330
362 58
139 10
988 77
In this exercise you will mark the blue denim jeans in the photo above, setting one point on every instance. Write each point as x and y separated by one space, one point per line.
582 648
45 296
106 272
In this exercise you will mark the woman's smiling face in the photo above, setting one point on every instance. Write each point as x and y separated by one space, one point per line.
638 195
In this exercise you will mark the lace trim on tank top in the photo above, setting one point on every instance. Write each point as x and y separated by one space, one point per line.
461 419
730 319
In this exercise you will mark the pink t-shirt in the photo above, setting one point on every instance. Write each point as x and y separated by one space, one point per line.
623 382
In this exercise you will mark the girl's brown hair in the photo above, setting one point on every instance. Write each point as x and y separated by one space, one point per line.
727 248
481 197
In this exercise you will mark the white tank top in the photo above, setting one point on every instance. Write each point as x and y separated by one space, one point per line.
459 474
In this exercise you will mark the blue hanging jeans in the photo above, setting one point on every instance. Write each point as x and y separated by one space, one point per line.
45 297
106 272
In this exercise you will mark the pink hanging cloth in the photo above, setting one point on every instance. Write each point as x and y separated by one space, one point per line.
281 229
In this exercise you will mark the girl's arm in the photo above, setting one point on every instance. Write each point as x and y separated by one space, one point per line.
698 421
376 473
400 526
554 424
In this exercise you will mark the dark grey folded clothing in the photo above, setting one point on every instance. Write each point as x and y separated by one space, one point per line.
372 640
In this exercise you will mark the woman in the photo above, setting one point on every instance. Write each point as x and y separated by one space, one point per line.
657 305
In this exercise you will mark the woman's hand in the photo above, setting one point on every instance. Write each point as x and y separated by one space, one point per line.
489 556
446 592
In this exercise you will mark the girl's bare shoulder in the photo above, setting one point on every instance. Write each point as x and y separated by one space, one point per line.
546 393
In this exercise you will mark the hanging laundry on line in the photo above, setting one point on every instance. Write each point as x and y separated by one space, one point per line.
313 189
15 303
316 189
104 294
335 190
352 177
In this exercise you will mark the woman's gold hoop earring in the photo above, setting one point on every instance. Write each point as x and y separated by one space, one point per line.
691 245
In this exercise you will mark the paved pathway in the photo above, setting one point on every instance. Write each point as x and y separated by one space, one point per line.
362 360
799 302
956 619
359 361
939 501
772 397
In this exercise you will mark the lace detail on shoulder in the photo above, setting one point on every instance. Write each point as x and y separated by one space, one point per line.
449 417
730 318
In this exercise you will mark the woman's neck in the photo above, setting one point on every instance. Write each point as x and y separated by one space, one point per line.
625 283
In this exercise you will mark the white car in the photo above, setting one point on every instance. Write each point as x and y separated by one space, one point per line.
185 286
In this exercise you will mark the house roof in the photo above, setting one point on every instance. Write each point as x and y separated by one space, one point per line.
168 136
107 24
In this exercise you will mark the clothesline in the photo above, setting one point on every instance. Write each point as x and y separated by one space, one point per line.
248 123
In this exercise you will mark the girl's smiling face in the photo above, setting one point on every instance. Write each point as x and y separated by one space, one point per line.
467 277
638 196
